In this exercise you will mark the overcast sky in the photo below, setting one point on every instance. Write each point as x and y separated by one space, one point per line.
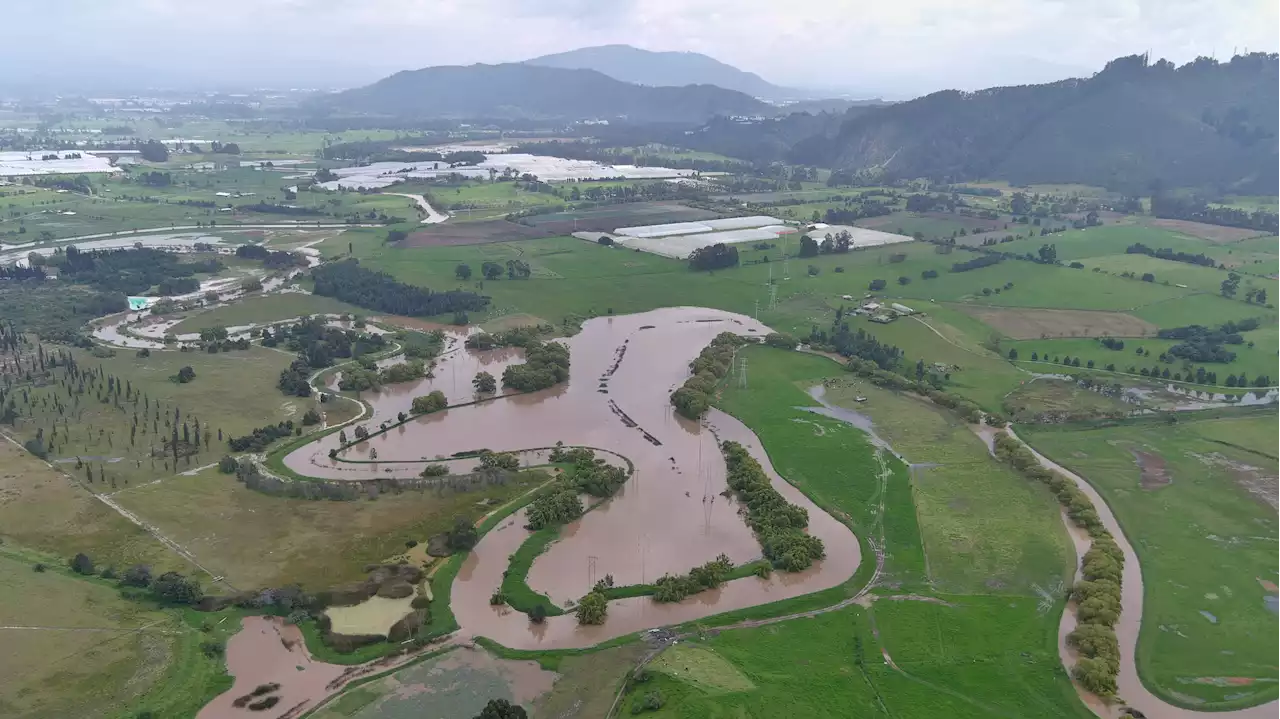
896 49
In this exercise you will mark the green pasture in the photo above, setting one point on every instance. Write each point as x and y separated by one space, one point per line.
829 460
1205 533
971 657
263 309
985 528
1252 361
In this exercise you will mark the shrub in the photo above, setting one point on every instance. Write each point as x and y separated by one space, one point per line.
592 608
81 564
435 470
228 465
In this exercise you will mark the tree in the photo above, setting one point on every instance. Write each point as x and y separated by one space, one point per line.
462 537
139 575
502 709
808 247
1013 354
175 588
462 272
1148 277
186 374
1230 285
491 270
426 404
484 383
904 280
538 614
592 608
394 236
153 151
81 564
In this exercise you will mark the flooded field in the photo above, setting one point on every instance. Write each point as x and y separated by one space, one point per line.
457 684
374 615
268 653
669 517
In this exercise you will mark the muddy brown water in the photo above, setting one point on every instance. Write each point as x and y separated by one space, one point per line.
668 518
1131 689
266 651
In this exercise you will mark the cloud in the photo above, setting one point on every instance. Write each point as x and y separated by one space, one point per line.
896 49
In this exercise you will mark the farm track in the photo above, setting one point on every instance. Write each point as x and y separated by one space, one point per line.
148 528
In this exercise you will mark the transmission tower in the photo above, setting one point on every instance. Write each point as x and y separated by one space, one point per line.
773 296
742 372
591 570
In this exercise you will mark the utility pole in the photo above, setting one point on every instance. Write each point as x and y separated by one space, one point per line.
773 296
742 372
756 315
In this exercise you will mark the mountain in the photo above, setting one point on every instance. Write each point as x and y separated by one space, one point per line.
667 69
1132 125
517 90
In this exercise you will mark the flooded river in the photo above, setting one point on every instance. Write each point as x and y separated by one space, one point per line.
1131 689
668 518
267 651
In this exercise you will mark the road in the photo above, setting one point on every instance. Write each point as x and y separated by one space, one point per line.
433 217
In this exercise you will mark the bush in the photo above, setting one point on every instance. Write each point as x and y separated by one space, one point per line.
650 702
228 465
81 564
538 614
592 608
433 402
435 470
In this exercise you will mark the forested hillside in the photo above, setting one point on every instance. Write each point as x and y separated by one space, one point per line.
530 91
1132 126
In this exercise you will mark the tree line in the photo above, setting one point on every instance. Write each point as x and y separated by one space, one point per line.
350 282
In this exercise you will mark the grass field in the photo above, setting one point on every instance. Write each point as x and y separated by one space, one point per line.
265 308
1033 400
233 392
830 461
1201 516
979 657
43 510
1253 361
985 529
100 647
258 540
103 655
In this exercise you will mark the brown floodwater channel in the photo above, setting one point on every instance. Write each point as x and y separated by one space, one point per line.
668 518
267 651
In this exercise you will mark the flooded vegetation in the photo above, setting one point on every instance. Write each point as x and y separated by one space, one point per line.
671 515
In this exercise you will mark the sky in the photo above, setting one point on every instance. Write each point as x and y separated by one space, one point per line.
895 50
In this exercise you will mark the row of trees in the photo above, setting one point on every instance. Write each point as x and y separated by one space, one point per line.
778 525
1102 569
693 398
350 282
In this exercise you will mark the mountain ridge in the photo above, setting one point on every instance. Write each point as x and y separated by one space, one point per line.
668 69
521 90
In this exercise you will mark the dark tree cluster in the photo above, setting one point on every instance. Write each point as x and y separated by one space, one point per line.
1202 344
714 257
271 260
545 364
1165 253
676 587
778 525
859 343
1197 210
350 282
693 398
261 437
977 263
130 271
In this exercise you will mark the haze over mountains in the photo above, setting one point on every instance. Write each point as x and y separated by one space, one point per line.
669 69
1136 122
517 90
